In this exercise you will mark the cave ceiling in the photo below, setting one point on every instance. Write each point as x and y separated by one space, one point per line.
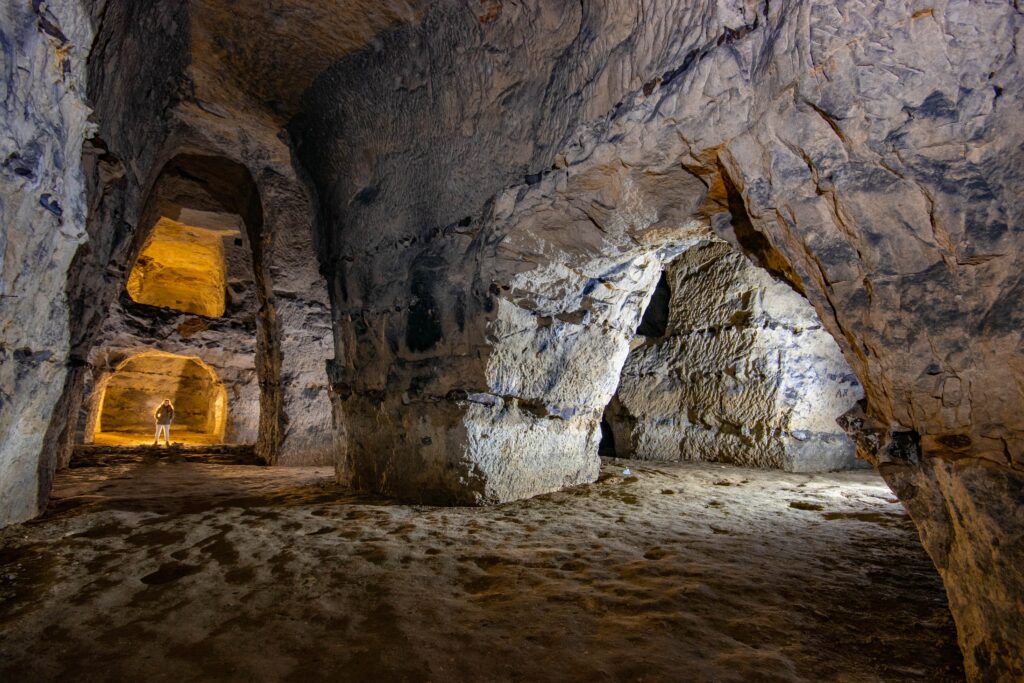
265 53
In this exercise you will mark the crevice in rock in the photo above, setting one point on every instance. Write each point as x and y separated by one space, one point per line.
654 322
752 242
606 448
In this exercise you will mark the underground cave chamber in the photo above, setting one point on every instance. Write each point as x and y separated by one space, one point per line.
464 239
128 397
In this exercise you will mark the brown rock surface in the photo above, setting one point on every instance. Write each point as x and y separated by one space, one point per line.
491 190
215 572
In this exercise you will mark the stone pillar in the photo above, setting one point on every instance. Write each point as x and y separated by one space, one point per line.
301 315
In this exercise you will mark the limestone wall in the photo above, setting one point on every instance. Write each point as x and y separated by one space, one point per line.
867 153
43 123
743 373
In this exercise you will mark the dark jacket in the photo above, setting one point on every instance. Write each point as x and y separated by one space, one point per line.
164 415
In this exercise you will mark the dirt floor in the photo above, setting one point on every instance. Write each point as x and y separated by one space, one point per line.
179 436
181 571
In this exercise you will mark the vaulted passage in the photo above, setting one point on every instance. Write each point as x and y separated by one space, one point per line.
194 321
739 370
712 307
129 397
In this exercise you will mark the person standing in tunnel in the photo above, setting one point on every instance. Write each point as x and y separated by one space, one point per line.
164 415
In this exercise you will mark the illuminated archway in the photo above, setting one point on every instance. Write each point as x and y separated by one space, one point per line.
181 267
129 396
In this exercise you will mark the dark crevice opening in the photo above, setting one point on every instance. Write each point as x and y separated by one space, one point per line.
606 449
752 242
654 322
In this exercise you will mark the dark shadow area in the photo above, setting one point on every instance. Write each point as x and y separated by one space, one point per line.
606 449
752 242
655 319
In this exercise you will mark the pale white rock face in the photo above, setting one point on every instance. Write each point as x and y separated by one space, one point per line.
561 331
557 348
43 123
519 454
874 148
743 374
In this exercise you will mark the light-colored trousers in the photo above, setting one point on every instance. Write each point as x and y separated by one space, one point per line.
166 429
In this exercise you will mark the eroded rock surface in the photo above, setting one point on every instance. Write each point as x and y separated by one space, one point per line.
740 371
43 122
868 153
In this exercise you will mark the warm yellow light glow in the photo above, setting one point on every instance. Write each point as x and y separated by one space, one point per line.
181 267
129 397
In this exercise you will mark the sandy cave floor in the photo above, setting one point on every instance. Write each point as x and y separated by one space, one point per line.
182 571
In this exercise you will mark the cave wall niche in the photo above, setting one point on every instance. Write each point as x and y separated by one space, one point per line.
181 267
127 399
742 373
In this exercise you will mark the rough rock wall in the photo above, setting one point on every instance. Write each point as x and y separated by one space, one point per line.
404 173
301 308
867 152
181 267
743 373
43 122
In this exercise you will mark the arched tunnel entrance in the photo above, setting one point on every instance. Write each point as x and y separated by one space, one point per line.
197 288
127 400
730 365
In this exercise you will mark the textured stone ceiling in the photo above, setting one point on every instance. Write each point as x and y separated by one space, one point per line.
271 50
